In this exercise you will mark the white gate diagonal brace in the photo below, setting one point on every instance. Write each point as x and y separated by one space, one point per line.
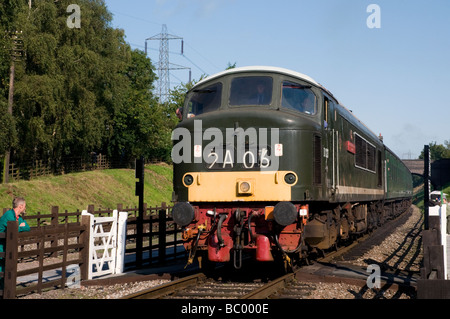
110 245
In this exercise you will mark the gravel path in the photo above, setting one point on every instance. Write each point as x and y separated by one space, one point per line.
96 292
401 250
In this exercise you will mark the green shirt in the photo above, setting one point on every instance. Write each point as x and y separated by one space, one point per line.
10 215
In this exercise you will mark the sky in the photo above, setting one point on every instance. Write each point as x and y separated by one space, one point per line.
389 63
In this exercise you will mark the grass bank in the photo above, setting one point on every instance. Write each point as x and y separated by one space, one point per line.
102 188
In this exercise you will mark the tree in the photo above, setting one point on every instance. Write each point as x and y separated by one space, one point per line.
231 66
8 14
58 91
8 136
438 152
79 90
133 121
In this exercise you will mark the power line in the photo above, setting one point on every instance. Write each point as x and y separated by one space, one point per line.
212 64
177 78
183 55
152 49
136 18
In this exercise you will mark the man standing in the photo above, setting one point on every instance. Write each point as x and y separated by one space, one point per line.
19 206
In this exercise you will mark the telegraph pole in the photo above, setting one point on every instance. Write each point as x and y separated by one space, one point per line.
17 52
163 65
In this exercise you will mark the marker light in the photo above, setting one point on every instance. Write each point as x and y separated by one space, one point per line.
290 178
244 187
188 179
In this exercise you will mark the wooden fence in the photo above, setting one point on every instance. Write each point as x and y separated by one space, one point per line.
60 239
39 243
159 234
34 169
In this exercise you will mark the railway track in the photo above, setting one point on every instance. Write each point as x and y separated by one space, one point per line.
200 286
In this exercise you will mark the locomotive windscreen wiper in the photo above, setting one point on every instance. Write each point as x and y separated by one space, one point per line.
205 91
297 86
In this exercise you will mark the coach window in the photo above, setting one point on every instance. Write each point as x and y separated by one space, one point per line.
298 97
204 100
251 90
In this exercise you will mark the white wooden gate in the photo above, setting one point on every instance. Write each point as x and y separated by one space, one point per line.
107 248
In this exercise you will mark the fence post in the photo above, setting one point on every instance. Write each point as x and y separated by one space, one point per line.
139 191
162 236
85 251
121 241
9 290
54 223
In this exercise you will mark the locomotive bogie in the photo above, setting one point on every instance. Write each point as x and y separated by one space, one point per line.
217 230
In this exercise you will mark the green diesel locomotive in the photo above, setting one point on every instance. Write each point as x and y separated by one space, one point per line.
267 162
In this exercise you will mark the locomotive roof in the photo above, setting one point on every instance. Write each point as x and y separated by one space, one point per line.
262 69
286 72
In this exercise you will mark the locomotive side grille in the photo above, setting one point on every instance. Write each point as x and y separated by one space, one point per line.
371 157
317 160
361 151
365 154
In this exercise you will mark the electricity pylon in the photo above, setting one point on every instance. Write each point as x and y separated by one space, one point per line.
163 65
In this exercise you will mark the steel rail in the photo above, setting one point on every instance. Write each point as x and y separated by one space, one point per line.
281 282
342 250
167 288
270 288
259 293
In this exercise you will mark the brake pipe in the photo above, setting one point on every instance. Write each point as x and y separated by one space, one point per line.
219 229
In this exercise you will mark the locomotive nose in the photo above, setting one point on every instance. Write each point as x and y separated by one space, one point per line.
183 213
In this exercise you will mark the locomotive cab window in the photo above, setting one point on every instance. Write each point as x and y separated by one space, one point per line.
251 90
204 100
298 97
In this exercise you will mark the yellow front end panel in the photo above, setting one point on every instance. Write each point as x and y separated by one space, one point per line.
239 186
